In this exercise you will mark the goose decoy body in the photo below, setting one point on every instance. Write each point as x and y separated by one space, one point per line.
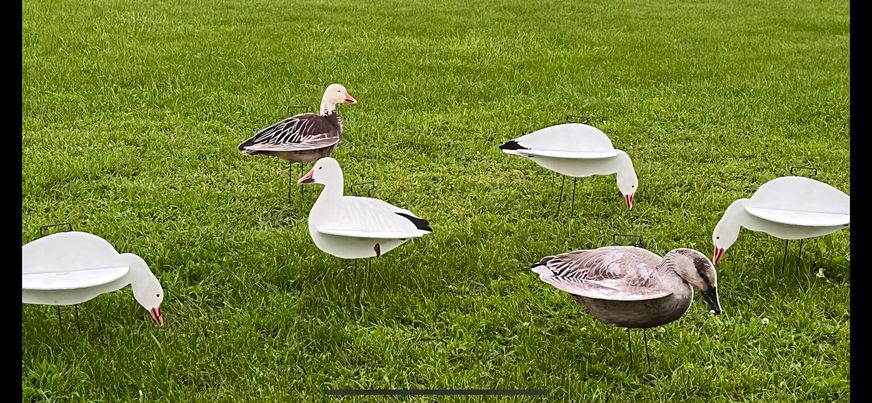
352 227
627 286
630 287
577 150
69 268
789 207
304 137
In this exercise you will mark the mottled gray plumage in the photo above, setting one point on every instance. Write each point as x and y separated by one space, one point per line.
304 138
631 287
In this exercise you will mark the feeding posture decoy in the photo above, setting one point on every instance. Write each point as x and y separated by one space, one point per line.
631 287
352 227
69 268
789 207
577 150
305 137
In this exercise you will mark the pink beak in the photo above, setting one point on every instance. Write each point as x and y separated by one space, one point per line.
350 99
629 200
156 315
719 253
307 178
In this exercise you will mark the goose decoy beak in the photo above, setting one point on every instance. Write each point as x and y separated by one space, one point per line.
717 255
156 315
629 200
711 296
350 99
307 178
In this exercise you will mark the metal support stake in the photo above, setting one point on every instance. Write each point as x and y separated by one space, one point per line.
572 210
648 356
784 259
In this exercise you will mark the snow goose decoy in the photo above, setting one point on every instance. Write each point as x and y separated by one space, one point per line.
69 268
577 150
305 137
351 227
789 207
630 287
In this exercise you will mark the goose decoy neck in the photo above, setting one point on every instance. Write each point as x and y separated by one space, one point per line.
681 261
147 290
727 229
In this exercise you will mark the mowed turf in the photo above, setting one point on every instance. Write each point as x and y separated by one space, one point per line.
132 112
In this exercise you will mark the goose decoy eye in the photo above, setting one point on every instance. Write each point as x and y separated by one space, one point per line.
158 295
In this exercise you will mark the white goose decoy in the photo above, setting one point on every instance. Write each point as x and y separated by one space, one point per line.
577 150
789 207
69 268
351 227
304 137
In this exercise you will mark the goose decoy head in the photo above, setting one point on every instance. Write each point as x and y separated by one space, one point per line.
699 271
628 184
337 94
324 170
723 237
149 294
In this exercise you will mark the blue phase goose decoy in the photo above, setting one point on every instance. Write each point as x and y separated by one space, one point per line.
789 207
305 137
631 287
577 150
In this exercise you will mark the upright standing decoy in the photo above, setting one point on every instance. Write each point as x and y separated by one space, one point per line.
351 227
305 137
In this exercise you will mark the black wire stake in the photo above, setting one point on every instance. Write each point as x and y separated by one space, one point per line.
560 198
78 326
304 109
302 187
638 243
572 209
630 345
43 229
648 356
290 179
370 185
794 169
799 254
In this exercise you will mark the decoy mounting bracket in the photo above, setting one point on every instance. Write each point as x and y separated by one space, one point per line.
43 230
794 169
638 238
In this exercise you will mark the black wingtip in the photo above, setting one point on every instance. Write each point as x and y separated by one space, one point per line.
246 143
544 261
420 223
512 145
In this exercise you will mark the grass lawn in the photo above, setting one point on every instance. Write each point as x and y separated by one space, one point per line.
132 112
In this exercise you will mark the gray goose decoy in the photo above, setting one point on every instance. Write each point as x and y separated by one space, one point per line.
303 138
630 287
